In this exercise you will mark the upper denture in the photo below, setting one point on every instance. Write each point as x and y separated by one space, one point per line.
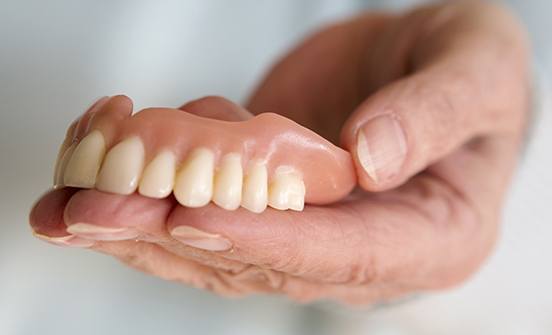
202 160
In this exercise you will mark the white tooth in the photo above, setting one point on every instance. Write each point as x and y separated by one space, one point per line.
83 166
67 142
158 178
255 188
64 146
194 182
287 190
62 165
228 182
122 167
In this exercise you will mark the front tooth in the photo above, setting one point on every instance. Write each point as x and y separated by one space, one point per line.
61 166
158 178
194 182
62 149
287 191
255 188
83 166
67 142
122 167
228 182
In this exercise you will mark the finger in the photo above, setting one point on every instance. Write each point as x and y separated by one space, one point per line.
46 219
215 107
100 216
96 215
427 234
328 244
152 259
413 122
316 91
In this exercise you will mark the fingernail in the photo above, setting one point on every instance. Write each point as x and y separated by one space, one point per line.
381 148
65 241
200 239
95 232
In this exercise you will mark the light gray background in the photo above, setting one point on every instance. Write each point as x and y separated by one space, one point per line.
56 57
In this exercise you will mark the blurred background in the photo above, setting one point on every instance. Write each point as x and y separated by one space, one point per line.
57 57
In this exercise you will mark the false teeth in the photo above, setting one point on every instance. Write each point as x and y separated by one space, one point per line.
255 188
158 177
287 190
122 167
194 182
61 165
85 161
228 182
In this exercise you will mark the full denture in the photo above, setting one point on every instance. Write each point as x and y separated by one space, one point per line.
265 161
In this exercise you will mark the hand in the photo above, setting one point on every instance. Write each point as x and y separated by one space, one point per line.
432 106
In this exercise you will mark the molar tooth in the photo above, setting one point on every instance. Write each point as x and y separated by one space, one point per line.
83 166
255 188
228 182
287 191
158 177
62 165
122 167
194 182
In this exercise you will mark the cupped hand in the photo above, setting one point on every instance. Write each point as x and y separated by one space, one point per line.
432 106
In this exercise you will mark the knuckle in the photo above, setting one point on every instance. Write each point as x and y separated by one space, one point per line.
287 261
362 273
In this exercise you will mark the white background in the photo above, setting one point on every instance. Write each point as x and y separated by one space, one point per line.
56 57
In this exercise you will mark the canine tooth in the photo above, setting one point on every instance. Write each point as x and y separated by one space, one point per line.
194 182
287 191
255 188
122 167
158 177
83 166
62 165
228 182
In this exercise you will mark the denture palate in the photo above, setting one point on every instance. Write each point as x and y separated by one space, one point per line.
265 161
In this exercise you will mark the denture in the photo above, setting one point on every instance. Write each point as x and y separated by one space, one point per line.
267 160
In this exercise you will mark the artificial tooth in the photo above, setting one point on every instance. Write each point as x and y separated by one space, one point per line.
255 188
61 165
158 177
63 147
228 182
67 142
287 190
194 181
82 168
122 167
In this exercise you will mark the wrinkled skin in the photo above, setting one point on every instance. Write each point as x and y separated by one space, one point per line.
456 77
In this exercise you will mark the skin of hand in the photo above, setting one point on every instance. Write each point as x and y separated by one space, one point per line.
431 104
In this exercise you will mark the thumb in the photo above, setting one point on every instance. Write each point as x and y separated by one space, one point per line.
412 123
465 83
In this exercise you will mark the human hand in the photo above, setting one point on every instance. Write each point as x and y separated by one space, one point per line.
441 96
